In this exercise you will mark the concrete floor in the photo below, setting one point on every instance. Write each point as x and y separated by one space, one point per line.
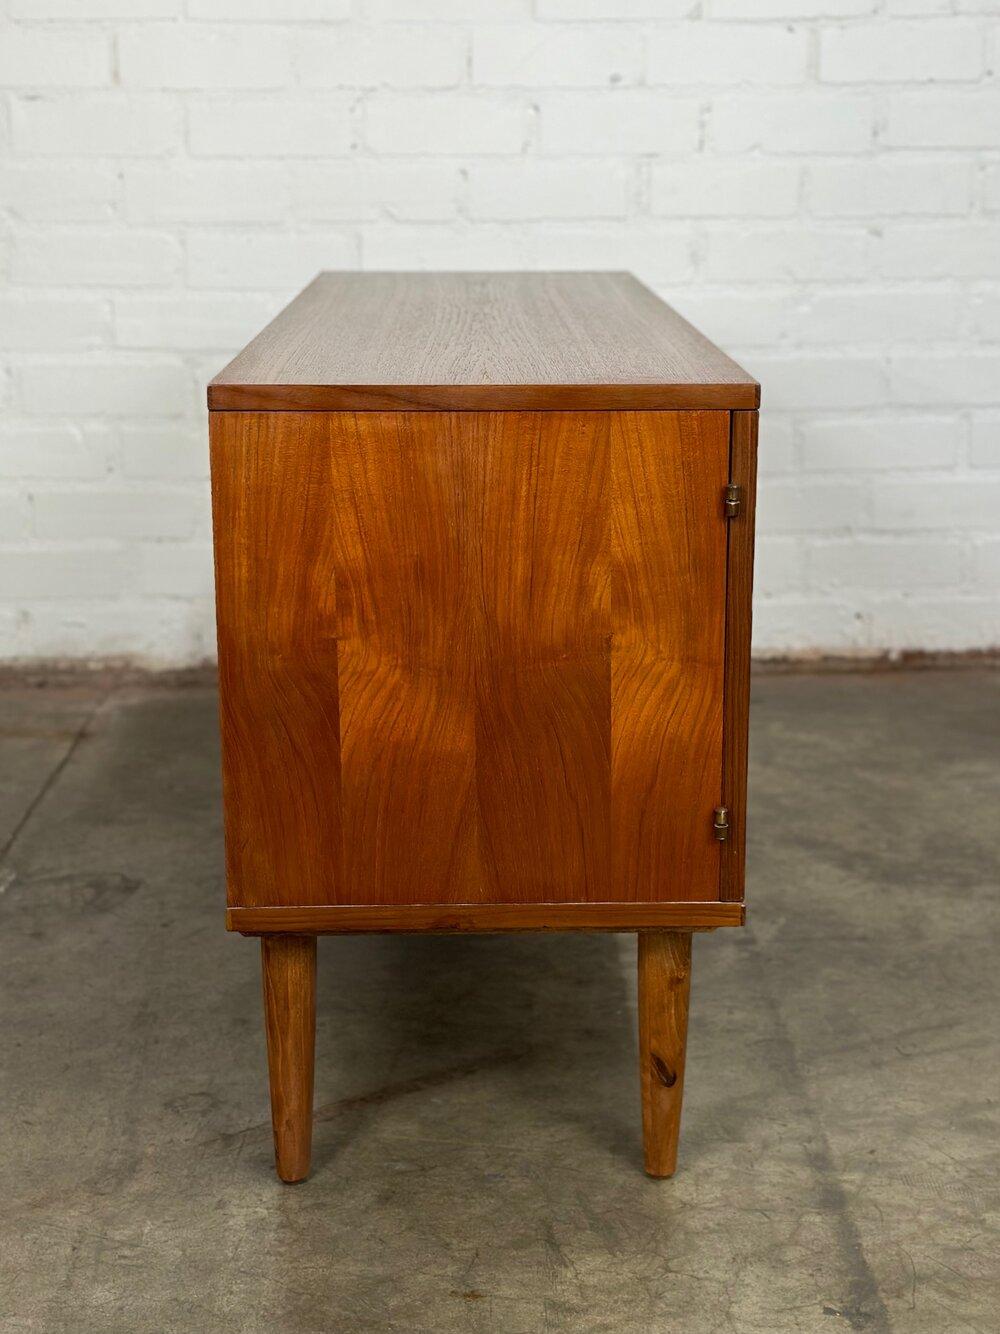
477 1163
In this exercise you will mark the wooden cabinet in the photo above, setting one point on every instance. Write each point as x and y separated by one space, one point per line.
483 565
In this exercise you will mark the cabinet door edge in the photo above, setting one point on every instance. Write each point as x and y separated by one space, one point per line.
736 688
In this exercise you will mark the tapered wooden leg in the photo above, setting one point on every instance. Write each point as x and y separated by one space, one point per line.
289 969
664 988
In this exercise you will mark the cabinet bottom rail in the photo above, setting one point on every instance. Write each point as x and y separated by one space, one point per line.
332 918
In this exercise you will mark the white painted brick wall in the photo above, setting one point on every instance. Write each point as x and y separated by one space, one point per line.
814 182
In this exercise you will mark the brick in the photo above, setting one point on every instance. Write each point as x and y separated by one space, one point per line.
64 572
877 444
800 381
924 8
959 504
616 9
946 251
285 11
116 386
291 127
886 186
555 55
779 566
955 623
891 566
895 51
809 627
540 189
985 310
178 571
85 257
721 53
734 253
164 451
656 255
15 628
801 122
986 563
797 506
461 11
970 377
365 190
206 192
383 56
96 124
629 121
190 320
31 449
199 57
15 518
790 9
714 189
776 445
889 315
91 10
137 513
943 118
984 451
445 123
736 318
63 192
32 321
943 623
159 633
278 260
40 58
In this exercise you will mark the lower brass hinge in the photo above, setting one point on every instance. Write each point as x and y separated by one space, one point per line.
732 500
720 824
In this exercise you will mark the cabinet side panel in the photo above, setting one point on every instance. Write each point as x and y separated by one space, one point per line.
739 593
668 616
470 657
408 623
543 703
276 616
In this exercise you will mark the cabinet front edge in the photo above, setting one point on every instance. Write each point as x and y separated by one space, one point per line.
482 398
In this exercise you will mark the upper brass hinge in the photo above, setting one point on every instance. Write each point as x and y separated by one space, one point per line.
732 500
720 823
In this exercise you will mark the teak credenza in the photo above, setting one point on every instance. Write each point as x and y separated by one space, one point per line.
483 552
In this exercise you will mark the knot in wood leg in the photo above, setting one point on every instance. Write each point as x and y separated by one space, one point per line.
662 1071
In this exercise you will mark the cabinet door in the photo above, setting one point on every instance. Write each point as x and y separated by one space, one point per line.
471 657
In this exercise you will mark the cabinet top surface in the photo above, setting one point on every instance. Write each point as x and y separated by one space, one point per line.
479 341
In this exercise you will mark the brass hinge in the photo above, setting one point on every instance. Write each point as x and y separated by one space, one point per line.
732 500
720 824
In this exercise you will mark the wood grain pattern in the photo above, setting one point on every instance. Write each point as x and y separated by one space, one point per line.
543 704
664 992
338 917
288 968
739 603
278 664
468 341
470 658
667 656
398 516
